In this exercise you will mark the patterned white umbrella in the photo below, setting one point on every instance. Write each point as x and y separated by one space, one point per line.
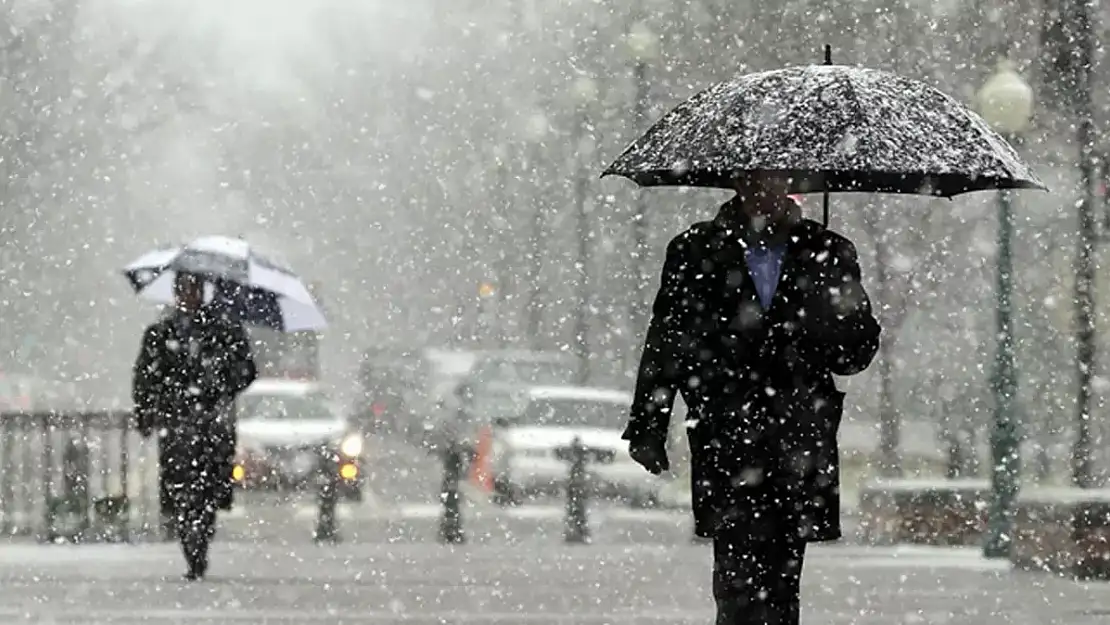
268 294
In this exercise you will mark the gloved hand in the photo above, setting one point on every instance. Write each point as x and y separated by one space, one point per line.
651 454
144 424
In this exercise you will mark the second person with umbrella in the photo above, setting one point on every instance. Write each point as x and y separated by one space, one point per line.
191 366
194 362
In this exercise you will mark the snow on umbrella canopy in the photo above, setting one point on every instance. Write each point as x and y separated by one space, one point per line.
254 288
829 128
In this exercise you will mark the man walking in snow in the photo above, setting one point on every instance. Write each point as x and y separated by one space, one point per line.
757 310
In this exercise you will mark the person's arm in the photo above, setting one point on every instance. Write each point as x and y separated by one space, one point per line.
660 373
147 381
843 329
242 371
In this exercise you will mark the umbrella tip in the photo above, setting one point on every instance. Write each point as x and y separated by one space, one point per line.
828 54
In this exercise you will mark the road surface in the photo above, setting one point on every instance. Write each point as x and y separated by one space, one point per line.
407 522
402 505
505 584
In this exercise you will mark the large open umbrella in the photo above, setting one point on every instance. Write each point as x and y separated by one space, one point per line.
253 287
829 128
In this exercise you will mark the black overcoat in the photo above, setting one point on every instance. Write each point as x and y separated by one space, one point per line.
186 377
764 409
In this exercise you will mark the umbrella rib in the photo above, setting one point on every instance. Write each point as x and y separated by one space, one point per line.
794 105
859 115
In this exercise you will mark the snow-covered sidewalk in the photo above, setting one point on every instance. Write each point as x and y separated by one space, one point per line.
488 584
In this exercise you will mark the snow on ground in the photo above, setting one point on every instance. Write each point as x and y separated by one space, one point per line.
500 584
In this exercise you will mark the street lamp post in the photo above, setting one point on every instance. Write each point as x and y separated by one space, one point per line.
1005 102
1083 44
643 44
585 91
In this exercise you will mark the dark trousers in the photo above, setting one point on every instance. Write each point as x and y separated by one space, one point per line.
172 464
165 493
757 576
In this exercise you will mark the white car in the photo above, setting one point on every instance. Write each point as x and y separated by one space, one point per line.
529 431
283 425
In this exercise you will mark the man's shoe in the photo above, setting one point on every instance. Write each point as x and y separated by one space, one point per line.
194 576
197 570
225 500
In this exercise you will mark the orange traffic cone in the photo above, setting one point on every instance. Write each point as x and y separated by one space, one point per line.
480 474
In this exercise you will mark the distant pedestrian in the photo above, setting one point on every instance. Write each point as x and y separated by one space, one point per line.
757 310
191 366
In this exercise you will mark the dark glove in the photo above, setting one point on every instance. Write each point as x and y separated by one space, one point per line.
651 454
144 424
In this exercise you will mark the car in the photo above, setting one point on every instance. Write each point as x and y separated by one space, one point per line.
499 375
387 379
510 368
401 390
530 434
284 426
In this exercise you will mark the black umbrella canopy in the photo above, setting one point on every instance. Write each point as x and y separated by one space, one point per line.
829 128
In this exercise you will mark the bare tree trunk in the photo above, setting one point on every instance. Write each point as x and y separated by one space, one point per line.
582 301
1043 464
956 464
535 285
640 309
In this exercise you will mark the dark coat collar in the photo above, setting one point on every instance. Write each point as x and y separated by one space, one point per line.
727 245
731 217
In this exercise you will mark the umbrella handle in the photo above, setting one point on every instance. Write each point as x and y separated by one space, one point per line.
825 195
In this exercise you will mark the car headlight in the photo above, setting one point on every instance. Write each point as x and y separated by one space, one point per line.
351 446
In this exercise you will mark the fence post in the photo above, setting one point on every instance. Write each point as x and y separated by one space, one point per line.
46 474
577 525
7 475
328 495
111 510
450 525
122 509
76 464
74 500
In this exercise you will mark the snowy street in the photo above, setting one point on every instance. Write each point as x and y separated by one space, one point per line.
376 523
487 584
401 505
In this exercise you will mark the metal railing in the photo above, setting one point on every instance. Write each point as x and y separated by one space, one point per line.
76 476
